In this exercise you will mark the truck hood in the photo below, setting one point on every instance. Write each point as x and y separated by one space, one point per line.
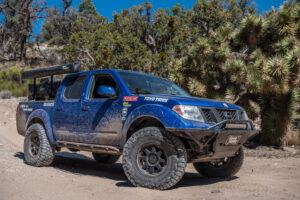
195 101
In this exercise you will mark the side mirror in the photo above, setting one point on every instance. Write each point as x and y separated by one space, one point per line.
107 91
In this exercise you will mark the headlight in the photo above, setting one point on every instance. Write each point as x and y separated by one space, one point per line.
244 115
188 112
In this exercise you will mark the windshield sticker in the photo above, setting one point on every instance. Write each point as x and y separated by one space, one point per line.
157 99
48 104
130 98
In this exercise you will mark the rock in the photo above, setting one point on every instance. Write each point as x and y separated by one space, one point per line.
289 149
256 194
215 191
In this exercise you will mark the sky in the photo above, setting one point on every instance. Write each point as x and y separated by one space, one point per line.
107 7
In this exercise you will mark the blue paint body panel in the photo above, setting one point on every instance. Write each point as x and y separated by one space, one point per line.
106 121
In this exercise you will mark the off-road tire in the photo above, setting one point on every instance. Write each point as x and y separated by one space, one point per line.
45 154
105 158
229 169
172 148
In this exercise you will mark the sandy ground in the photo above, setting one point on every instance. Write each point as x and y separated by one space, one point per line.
77 176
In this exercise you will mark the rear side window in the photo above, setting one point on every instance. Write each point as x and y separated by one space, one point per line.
74 87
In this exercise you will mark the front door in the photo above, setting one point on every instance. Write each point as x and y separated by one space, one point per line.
68 104
101 121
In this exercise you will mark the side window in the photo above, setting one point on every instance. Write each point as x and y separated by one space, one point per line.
73 87
98 81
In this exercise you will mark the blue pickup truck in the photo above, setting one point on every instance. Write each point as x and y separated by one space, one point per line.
154 124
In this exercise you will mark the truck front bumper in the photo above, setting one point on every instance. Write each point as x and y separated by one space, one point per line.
219 140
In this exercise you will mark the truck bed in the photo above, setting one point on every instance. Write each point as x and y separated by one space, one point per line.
25 109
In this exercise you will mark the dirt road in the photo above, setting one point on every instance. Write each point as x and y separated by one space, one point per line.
74 176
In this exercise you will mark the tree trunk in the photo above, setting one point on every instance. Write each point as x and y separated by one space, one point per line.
276 116
25 29
23 44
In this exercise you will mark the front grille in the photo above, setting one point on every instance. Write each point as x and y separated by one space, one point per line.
225 114
214 115
209 115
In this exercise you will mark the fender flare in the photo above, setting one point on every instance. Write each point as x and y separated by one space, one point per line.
161 113
45 118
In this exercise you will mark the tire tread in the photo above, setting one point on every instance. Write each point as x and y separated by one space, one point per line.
174 177
46 154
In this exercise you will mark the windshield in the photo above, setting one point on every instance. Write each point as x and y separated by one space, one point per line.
139 83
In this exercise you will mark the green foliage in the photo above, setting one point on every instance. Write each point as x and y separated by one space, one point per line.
86 7
11 80
88 11
57 26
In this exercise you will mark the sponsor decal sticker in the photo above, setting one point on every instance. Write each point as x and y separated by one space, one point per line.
48 104
130 98
25 108
157 99
126 104
224 104
124 111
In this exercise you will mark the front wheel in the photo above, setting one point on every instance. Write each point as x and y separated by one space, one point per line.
153 158
224 168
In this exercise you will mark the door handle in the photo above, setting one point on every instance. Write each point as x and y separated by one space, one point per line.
85 105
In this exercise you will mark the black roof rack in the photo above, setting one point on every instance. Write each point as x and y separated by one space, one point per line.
53 70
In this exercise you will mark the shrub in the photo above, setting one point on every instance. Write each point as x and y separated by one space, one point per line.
10 80
5 94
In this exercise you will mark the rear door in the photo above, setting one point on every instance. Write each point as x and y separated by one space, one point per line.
66 111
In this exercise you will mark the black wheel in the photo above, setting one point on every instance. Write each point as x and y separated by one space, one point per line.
105 158
37 149
153 158
224 168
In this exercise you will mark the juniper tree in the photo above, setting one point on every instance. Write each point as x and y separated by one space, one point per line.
18 21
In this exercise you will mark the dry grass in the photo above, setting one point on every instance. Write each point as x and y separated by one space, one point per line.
292 138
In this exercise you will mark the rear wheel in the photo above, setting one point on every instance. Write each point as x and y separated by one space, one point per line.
37 149
224 168
153 158
105 158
